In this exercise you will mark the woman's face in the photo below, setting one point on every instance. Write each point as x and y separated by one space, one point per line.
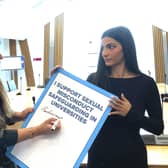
112 52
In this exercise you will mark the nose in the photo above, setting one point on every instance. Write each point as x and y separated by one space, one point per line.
104 52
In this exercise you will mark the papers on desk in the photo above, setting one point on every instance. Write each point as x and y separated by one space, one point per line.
19 102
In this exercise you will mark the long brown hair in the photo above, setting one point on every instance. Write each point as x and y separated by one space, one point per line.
6 110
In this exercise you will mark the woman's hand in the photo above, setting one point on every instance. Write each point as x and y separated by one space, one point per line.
120 106
54 69
46 126
22 115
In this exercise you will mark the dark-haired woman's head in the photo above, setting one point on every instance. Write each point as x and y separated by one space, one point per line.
117 47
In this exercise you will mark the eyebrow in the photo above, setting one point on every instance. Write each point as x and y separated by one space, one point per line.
110 44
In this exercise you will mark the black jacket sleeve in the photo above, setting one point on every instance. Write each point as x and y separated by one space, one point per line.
154 121
8 138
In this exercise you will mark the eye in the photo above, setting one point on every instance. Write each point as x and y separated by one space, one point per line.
110 46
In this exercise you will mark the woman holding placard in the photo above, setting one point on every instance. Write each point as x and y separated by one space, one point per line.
119 143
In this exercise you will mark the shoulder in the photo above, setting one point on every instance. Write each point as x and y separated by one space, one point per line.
91 77
147 79
149 82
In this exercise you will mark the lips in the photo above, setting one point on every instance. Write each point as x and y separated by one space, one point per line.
107 59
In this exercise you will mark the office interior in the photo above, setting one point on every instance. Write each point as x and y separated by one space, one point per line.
70 36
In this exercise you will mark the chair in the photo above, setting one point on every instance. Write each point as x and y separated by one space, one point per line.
5 85
11 85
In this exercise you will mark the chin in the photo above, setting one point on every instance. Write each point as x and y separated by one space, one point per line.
109 64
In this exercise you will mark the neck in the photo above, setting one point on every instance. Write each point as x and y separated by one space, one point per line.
123 74
120 72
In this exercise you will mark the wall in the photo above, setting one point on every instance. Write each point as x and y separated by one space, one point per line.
85 24
6 75
82 32
36 47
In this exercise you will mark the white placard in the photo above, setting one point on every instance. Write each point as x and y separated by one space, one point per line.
83 108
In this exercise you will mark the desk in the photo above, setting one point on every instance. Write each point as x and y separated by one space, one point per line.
19 102
157 157
162 87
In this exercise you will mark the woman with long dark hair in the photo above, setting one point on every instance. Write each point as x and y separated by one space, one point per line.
119 143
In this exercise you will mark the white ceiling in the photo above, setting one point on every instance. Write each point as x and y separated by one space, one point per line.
18 18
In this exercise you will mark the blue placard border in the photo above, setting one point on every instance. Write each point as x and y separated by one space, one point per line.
93 135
